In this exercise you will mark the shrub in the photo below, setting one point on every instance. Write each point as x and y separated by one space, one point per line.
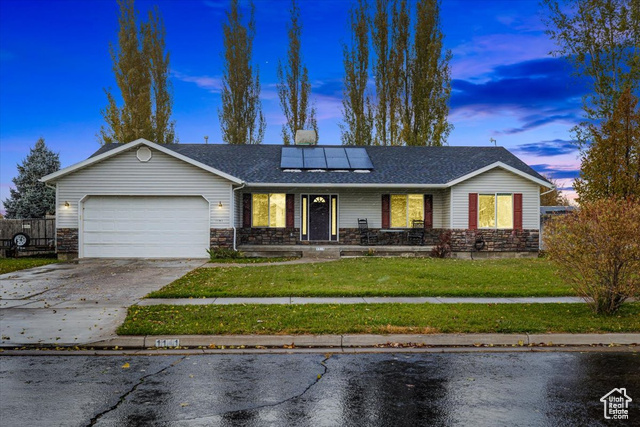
442 249
597 251
223 253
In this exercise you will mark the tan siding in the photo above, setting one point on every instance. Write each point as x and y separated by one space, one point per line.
497 181
163 175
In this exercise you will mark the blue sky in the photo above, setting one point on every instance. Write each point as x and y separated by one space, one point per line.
54 64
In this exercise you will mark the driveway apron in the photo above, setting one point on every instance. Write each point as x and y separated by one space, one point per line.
81 302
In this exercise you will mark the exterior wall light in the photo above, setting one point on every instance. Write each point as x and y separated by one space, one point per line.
219 205
66 205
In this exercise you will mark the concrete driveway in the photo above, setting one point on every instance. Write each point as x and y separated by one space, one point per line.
81 302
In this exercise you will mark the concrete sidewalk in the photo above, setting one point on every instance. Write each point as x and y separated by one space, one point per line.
357 300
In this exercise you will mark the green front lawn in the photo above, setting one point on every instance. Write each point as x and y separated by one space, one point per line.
375 277
375 318
7 265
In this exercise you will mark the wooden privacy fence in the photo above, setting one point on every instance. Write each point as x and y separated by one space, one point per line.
41 234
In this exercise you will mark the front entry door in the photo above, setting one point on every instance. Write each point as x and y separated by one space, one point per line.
319 217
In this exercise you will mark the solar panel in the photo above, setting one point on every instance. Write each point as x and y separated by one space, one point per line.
325 158
336 158
314 158
291 158
358 158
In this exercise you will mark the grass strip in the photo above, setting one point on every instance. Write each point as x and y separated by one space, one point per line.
8 265
375 319
375 277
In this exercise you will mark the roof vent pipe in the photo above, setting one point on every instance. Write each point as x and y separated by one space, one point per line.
306 137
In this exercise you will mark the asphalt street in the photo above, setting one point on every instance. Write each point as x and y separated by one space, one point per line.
390 389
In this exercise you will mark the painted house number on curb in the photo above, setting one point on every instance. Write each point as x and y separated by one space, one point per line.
168 343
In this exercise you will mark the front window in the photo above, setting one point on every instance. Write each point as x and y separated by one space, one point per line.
495 211
405 208
268 210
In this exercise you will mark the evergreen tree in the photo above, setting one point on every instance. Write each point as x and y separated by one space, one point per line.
31 198
241 117
141 69
293 85
357 126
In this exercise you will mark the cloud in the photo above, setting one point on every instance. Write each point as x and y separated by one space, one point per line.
531 84
557 171
212 84
537 91
482 54
555 147
538 120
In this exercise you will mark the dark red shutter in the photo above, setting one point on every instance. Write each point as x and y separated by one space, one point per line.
517 211
290 210
428 211
386 207
473 211
246 210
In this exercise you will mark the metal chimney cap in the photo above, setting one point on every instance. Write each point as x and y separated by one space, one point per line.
305 137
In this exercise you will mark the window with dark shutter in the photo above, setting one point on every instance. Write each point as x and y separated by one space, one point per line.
473 211
517 211
290 210
428 211
386 218
246 210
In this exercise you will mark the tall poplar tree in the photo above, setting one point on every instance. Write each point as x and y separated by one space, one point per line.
293 85
241 117
153 44
381 69
425 119
141 69
357 126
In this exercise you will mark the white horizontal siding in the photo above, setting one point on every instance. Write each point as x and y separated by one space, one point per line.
352 204
497 181
446 208
124 174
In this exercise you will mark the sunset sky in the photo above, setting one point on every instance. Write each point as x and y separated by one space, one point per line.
54 64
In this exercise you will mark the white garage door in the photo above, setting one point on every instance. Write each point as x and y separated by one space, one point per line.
145 227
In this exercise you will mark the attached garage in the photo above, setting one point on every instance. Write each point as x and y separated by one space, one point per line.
144 227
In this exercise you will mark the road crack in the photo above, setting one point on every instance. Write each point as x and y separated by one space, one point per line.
123 397
289 399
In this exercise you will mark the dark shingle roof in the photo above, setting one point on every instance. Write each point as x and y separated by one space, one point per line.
391 165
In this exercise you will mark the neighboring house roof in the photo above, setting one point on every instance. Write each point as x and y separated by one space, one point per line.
259 165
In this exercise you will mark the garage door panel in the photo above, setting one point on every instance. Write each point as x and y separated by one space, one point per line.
145 227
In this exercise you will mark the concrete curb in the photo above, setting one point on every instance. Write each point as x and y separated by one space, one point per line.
357 341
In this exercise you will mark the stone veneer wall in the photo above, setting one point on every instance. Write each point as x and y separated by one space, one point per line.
461 240
67 242
268 236
221 237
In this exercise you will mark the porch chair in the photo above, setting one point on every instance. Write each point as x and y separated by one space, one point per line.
416 234
367 237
